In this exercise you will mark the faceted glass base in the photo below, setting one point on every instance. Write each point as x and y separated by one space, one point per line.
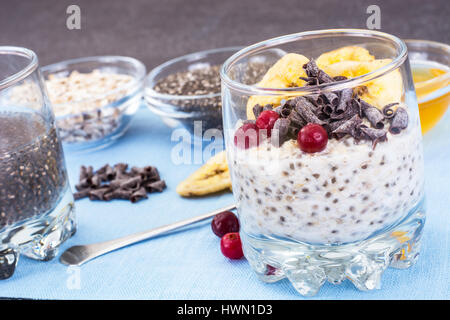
308 266
38 237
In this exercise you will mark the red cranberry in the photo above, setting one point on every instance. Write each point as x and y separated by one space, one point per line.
312 138
266 120
246 136
224 222
231 246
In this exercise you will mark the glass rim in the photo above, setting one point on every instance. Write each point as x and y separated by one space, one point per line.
428 44
24 72
335 86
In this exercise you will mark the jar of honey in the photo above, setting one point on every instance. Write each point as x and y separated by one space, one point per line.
430 64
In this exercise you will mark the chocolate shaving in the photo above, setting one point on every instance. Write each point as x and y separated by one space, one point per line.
399 121
116 182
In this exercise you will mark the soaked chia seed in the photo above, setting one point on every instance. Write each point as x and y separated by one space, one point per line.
32 174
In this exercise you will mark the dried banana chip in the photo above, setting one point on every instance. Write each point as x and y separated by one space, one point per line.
212 177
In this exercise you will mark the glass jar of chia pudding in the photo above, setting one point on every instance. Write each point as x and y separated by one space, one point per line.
36 203
325 155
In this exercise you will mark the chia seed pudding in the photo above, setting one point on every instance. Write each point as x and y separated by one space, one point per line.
342 194
32 170
366 176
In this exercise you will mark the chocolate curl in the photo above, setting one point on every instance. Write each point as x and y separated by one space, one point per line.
81 194
331 98
296 120
131 183
118 194
352 109
280 132
83 184
83 173
310 81
138 195
345 100
388 111
304 109
109 172
311 69
268 107
257 109
96 181
375 135
97 194
339 78
157 186
373 114
324 78
399 121
348 127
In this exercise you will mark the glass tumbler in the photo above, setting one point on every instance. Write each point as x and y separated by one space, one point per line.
325 155
36 203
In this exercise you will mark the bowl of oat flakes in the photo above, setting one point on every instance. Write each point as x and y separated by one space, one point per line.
94 98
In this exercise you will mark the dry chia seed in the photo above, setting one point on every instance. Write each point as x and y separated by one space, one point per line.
203 81
32 175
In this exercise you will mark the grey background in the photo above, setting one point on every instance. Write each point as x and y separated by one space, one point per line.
155 31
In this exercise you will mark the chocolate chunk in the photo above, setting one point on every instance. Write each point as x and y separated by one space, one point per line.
399 121
375 135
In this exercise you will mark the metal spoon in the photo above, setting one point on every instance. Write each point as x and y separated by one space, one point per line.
78 255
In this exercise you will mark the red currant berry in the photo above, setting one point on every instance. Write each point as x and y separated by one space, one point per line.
312 138
266 120
224 222
231 246
246 136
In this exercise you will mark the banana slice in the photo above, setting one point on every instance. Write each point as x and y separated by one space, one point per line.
212 177
349 53
381 91
284 73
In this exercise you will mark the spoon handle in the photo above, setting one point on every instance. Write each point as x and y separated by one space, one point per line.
78 255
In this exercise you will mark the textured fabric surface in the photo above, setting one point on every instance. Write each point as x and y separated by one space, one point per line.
188 264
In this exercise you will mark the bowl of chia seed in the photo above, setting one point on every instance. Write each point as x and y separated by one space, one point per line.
94 98
186 90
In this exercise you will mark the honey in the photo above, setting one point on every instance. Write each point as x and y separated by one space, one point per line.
431 91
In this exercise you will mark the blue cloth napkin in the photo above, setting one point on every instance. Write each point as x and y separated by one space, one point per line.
189 264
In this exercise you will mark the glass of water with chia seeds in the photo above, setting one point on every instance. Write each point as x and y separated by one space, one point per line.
325 156
36 203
